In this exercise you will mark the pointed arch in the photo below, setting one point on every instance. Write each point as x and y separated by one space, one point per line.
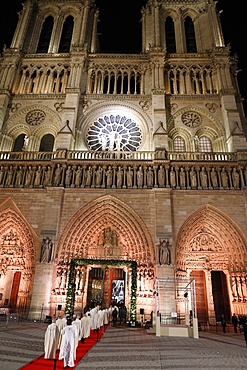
80 238
209 239
18 254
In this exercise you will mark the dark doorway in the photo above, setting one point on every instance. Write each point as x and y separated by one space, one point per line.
201 296
220 295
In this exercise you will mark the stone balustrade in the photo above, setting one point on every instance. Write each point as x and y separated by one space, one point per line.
124 170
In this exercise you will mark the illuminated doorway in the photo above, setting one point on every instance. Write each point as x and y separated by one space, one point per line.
15 289
201 296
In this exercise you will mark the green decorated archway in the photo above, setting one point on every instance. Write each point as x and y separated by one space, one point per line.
70 299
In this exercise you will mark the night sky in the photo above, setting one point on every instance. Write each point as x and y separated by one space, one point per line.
120 28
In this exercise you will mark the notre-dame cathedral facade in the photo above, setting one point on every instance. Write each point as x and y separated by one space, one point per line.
118 171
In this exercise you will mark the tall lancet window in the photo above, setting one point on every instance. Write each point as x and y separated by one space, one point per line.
66 37
45 35
190 35
170 35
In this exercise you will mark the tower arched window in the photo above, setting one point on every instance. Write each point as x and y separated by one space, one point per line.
47 143
170 35
66 37
190 35
179 144
205 144
19 143
45 36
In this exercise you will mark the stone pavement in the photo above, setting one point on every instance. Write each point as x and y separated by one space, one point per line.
129 348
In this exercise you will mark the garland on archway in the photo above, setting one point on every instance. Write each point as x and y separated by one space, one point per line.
70 299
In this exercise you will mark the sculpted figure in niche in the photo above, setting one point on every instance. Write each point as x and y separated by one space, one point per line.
150 177
204 178
19 177
37 178
182 178
161 176
46 250
78 176
235 178
89 174
224 178
172 178
239 288
129 177
57 177
1 174
98 178
109 177
119 177
9 178
214 178
47 178
164 252
193 179
140 177
68 176
28 178
234 288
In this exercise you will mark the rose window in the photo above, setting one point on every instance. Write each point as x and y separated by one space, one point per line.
191 119
117 133
35 117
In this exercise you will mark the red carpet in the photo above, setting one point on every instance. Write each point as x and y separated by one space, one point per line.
82 349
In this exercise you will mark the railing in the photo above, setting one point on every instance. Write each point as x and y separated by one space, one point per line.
114 155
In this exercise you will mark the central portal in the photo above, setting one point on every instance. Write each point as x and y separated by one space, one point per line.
106 286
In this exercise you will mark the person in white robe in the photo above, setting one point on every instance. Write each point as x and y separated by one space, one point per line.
51 341
67 349
77 324
61 323
85 326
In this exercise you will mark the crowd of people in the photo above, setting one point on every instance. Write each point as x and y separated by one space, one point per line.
64 334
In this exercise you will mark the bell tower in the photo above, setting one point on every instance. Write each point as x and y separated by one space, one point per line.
59 35
192 65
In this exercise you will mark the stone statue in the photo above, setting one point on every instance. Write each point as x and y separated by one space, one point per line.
182 178
119 177
28 178
193 179
214 178
140 177
78 175
9 177
224 178
129 177
109 177
47 178
37 178
57 177
46 250
19 176
204 178
68 176
172 178
150 177
161 176
164 252
235 178
89 174
98 178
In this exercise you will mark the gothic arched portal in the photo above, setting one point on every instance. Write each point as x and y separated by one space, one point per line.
17 259
212 249
106 229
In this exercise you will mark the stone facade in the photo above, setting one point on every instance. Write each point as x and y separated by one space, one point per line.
121 157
